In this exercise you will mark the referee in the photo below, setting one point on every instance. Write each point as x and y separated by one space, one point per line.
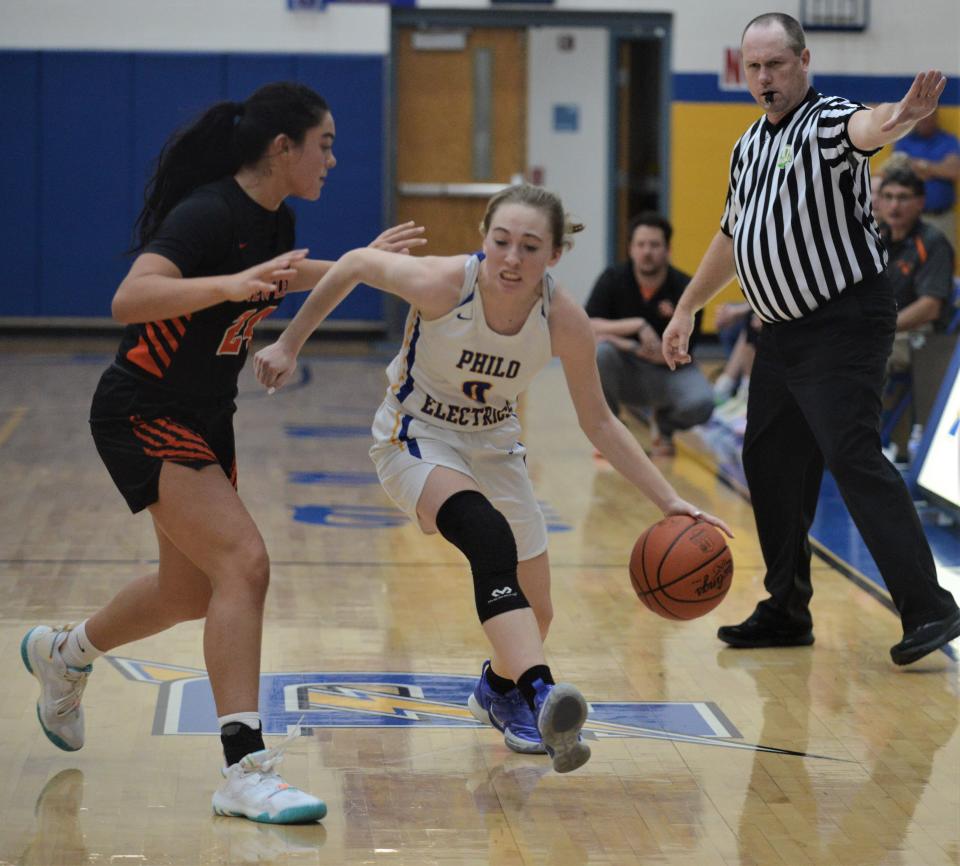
799 234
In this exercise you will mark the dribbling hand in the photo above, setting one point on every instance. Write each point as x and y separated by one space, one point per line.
681 506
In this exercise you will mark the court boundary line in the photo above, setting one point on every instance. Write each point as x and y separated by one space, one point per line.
17 414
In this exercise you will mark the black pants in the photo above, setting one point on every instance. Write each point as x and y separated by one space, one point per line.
815 400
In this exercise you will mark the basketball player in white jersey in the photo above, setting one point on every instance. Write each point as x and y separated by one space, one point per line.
447 447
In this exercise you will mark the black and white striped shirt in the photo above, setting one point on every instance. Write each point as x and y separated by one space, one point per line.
799 212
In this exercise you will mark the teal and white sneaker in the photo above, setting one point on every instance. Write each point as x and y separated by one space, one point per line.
561 713
61 686
253 789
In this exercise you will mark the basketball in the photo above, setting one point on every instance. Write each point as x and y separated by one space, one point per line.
681 568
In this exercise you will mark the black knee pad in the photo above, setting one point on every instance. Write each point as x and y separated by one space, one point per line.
482 534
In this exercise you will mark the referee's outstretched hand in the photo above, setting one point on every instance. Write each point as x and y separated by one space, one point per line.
676 339
920 100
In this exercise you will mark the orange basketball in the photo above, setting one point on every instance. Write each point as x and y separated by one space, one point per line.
681 568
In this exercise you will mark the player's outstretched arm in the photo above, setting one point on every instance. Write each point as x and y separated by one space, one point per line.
155 289
431 284
573 342
401 238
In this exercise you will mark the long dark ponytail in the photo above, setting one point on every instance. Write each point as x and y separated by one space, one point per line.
226 137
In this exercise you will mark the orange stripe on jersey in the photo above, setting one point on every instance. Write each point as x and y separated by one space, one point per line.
179 325
183 448
172 341
153 433
177 441
233 472
157 345
180 430
140 355
921 249
146 437
183 455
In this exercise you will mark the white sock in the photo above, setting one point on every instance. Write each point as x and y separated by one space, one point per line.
251 720
76 649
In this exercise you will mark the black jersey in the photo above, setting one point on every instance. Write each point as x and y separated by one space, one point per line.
217 229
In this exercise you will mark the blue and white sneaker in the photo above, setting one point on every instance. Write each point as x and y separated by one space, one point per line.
508 713
253 789
561 713
61 686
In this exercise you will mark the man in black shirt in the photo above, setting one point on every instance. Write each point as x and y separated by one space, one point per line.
921 273
921 261
629 307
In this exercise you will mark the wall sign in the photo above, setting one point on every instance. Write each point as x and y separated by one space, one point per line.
566 118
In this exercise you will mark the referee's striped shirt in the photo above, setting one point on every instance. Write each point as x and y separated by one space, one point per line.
798 210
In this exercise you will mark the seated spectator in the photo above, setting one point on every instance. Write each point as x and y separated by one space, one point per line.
921 260
894 161
629 307
935 158
920 267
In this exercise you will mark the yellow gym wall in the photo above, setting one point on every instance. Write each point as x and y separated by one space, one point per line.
702 136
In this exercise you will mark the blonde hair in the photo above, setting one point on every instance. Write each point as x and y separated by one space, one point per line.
562 225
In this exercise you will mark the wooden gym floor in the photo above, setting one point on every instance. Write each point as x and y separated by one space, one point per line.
701 755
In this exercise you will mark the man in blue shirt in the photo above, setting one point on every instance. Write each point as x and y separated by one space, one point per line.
935 156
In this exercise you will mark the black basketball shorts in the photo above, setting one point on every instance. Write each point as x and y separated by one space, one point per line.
136 428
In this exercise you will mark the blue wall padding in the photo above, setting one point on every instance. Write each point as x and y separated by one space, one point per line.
78 138
19 196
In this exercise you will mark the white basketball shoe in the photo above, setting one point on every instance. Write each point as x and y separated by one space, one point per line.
61 686
253 789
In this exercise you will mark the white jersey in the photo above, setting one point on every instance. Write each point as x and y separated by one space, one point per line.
457 372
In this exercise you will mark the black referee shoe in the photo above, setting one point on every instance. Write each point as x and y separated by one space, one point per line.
926 638
757 631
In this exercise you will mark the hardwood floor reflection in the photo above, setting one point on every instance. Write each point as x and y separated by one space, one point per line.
371 641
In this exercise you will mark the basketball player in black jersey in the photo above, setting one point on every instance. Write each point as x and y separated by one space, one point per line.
215 256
